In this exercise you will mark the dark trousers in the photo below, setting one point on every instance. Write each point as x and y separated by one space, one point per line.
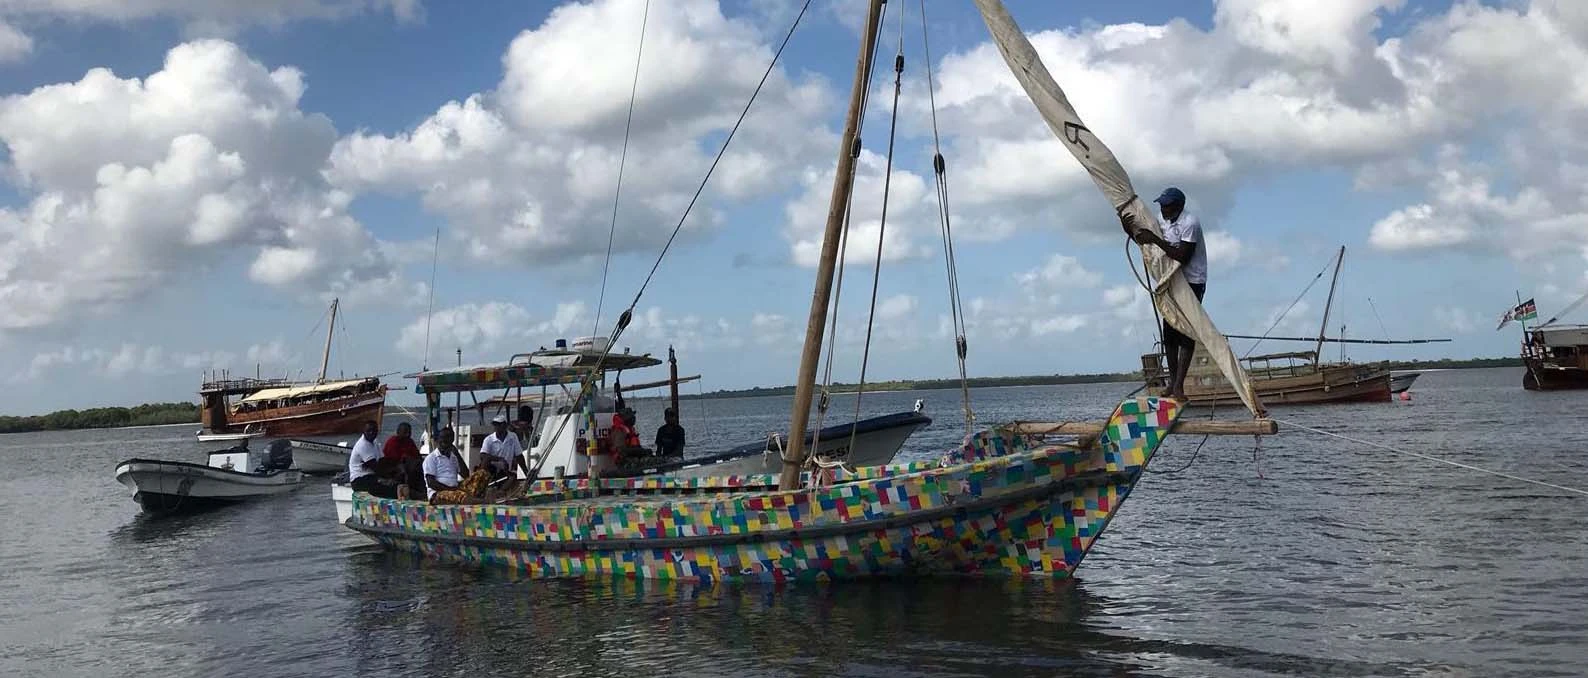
1173 338
372 484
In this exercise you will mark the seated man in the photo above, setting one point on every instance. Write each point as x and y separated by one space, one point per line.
623 439
500 452
364 471
402 451
444 471
670 437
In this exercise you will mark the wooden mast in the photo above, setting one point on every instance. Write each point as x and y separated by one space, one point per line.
837 209
325 360
672 380
1324 329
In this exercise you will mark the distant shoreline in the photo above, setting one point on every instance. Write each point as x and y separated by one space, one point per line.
187 414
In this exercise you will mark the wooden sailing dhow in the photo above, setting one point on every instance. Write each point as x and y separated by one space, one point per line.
1009 501
1293 377
1556 356
282 408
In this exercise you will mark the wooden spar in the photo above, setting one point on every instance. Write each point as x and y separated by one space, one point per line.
325 360
672 380
837 209
1332 340
1255 427
1330 302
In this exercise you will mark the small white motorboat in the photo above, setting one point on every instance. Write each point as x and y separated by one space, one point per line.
319 457
229 476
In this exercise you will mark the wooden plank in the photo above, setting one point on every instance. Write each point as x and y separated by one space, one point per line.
1254 427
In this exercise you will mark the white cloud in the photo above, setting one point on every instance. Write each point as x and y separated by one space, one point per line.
896 307
1276 85
770 329
212 17
529 169
14 44
1456 319
1060 272
1224 249
1063 324
911 212
132 360
136 184
492 331
1466 211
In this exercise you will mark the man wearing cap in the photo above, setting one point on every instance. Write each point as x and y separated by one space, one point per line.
1182 241
501 451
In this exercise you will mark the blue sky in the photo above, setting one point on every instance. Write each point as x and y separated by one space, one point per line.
197 202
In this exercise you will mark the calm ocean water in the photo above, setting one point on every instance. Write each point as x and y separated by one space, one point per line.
1310 557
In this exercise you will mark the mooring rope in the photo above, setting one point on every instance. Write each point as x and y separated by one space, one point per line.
1441 460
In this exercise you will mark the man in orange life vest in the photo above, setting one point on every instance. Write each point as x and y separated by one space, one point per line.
623 439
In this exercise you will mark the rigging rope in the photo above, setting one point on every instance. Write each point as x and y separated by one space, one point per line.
430 307
882 229
1381 326
628 125
945 226
720 152
627 316
1441 460
1292 305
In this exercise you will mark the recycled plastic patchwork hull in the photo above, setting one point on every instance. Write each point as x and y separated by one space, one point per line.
1002 505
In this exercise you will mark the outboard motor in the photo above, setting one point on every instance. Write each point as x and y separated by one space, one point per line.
279 456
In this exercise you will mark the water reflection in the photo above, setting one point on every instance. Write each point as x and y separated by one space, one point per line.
429 618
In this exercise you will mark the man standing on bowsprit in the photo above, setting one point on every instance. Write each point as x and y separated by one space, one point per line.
1182 241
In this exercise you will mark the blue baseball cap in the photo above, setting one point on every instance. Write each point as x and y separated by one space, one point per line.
1171 196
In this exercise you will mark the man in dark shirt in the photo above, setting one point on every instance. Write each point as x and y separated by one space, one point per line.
670 437
402 450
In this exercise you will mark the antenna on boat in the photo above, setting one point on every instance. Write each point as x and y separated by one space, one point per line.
837 210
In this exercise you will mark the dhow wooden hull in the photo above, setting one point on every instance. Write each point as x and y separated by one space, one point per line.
1330 384
1542 376
1002 505
344 416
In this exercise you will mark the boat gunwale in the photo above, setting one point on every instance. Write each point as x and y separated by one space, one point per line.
859 427
205 467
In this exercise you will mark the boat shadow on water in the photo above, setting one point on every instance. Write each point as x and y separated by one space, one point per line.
938 626
185 521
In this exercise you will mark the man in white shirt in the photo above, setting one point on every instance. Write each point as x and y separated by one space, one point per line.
1182 241
501 452
443 467
362 462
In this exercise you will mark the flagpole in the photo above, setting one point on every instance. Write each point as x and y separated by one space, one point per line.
1519 315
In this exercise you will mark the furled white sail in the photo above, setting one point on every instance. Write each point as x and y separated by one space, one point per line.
1171 293
1563 312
